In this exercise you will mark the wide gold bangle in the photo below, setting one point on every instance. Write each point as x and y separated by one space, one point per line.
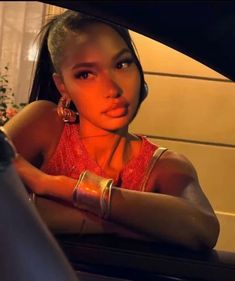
93 193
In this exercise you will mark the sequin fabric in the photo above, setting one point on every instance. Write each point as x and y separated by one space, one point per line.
71 158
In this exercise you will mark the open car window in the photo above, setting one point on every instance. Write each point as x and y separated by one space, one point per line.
199 103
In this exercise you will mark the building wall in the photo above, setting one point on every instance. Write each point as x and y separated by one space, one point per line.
189 109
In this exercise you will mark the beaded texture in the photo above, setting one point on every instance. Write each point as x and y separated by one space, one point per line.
71 158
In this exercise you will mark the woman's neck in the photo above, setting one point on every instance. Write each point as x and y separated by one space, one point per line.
111 150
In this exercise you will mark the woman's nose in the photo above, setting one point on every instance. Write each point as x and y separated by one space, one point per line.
112 89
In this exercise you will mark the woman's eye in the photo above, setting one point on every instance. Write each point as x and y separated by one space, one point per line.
83 75
124 63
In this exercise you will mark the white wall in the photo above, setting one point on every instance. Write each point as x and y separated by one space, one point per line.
194 117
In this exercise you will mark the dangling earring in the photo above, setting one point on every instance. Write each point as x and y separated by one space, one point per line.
67 115
146 90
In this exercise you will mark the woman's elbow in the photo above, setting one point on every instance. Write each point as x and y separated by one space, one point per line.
207 234
200 234
212 230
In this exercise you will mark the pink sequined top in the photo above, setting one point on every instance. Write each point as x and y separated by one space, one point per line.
71 158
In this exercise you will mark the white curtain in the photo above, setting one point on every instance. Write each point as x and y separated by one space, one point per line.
20 22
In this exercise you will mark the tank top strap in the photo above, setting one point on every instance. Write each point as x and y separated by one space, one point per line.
156 155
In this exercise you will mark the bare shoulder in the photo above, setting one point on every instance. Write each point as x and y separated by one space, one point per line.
172 173
34 116
37 109
34 127
173 163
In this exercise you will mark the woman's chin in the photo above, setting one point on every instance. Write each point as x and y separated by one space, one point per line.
117 127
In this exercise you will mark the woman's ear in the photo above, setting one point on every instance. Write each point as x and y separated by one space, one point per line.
59 84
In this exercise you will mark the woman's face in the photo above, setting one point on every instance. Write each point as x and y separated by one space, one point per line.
101 78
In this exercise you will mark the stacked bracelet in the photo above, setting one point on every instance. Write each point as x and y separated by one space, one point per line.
93 193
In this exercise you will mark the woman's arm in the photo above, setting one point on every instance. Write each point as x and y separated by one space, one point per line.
185 218
165 217
69 220
179 212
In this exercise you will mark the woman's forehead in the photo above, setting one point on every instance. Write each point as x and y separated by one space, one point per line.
93 40
95 36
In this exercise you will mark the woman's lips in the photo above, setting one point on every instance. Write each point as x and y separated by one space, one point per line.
116 110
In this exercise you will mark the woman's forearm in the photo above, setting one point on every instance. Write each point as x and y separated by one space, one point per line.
157 216
164 217
71 220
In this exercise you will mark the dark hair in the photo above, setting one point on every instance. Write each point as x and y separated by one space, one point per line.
52 39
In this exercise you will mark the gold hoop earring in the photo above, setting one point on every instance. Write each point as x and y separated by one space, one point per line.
64 112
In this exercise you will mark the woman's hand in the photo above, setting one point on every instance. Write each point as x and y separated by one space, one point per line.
31 176
43 184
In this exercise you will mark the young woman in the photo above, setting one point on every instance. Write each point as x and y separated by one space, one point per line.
80 151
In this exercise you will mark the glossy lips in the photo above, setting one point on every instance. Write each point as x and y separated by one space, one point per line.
117 109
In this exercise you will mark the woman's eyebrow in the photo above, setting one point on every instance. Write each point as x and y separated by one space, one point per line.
94 64
84 64
119 54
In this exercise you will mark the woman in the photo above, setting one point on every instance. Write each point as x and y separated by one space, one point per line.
94 163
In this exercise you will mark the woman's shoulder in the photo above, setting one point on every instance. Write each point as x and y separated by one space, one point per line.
35 127
167 161
40 108
35 113
172 173
176 162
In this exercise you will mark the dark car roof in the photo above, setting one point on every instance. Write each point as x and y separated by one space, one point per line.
203 30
